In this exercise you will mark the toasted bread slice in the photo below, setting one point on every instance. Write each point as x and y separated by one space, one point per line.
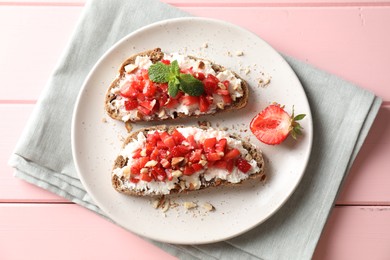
127 103
129 176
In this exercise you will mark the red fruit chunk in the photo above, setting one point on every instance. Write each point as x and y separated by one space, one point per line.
131 104
169 141
203 104
189 100
188 170
210 84
220 165
197 167
179 138
243 165
196 155
145 177
192 142
166 62
232 154
213 156
221 145
209 143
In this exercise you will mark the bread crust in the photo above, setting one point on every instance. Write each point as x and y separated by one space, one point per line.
156 55
120 162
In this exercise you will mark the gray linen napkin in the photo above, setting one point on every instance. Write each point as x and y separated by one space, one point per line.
342 115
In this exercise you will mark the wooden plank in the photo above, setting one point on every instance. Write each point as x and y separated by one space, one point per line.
357 233
13 120
67 231
350 233
351 42
214 2
369 178
32 43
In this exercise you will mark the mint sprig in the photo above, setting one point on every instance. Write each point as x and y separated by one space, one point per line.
163 73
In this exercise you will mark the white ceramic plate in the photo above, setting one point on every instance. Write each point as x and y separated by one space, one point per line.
95 143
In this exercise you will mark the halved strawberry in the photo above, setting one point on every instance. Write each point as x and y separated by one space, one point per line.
274 124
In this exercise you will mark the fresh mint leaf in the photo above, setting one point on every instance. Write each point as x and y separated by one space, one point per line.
174 69
159 72
173 87
191 85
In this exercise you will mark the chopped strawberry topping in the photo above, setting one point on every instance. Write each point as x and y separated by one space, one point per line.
139 92
165 152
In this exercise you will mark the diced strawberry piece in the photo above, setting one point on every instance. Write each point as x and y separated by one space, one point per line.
135 168
131 104
203 104
149 89
144 74
189 100
166 62
129 90
149 105
161 145
209 144
230 165
155 154
153 138
210 84
220 165
232 154
171 103
188 170
169 141
159 170
196 155
180 151
227 99
199 75
165 163
213 156
243 165
137 153
144 111
145 177
142 161
179 138
161 177
223 92
192 142
197 167
221 145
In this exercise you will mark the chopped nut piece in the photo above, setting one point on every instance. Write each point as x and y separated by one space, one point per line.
205 45
143 152
165 206
239 53
190 205
201 65
203 162
151 163
104 120
128 126
207 206
247 71
177 173
162 114
220 105
177 160
144 170
126 171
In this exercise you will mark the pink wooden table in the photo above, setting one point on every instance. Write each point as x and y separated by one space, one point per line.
350 38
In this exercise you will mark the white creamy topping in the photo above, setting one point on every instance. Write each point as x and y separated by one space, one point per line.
158 187
184 62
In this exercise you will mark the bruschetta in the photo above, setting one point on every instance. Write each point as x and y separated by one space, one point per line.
164 160
155 86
